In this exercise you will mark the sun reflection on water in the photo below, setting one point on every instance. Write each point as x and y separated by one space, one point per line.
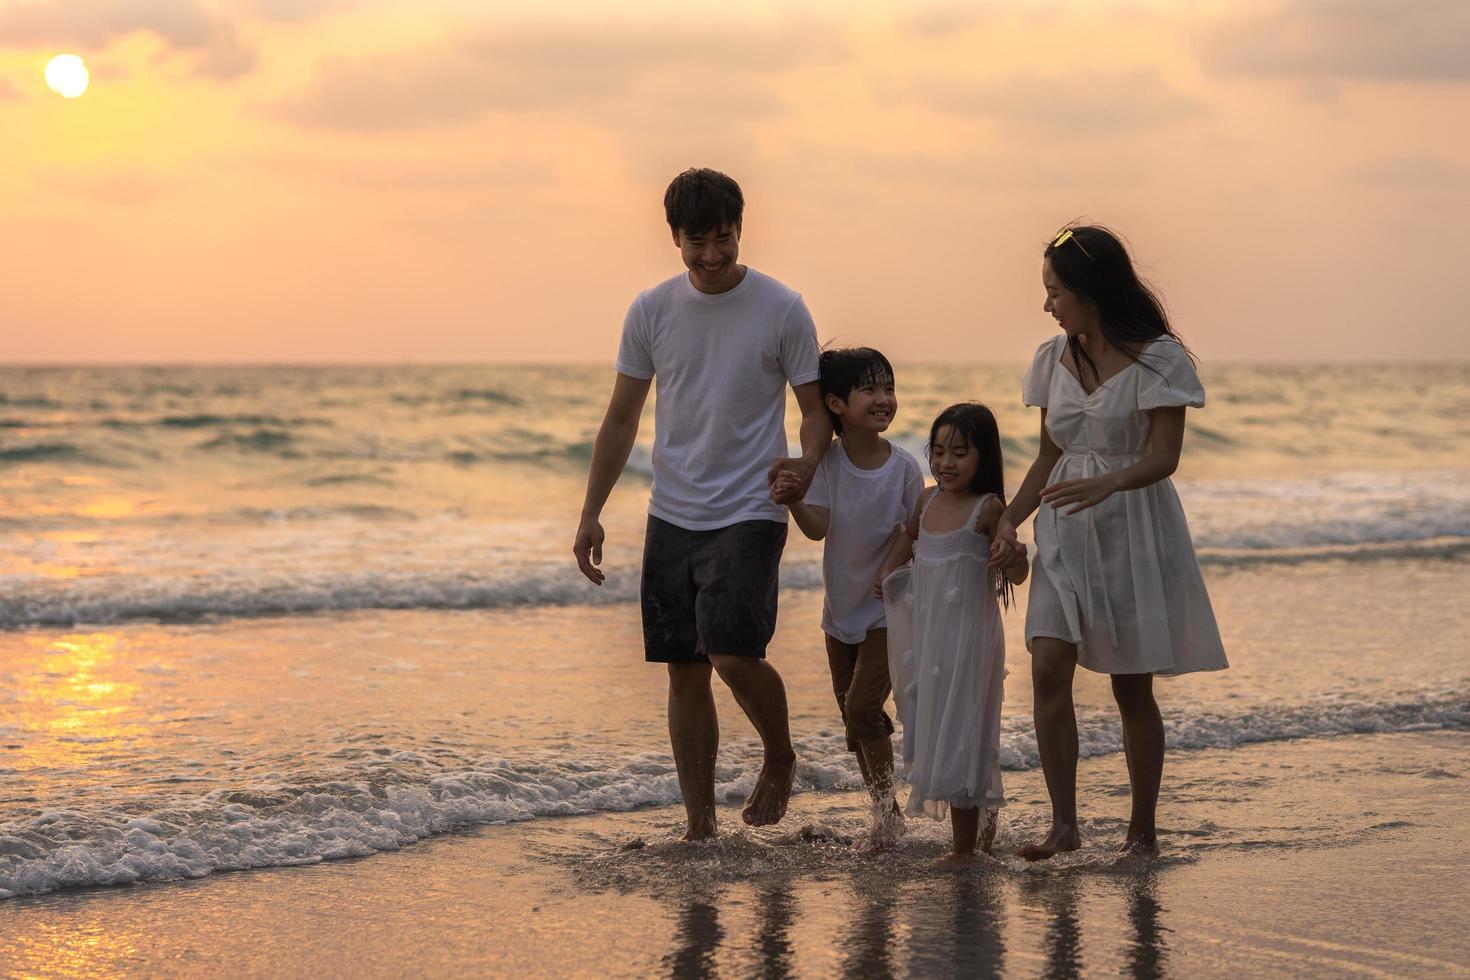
79 949
75 695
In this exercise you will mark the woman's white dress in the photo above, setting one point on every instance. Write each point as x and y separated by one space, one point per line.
1120 579
946 658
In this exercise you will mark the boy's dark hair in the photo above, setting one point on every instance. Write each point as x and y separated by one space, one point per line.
701 200
845 369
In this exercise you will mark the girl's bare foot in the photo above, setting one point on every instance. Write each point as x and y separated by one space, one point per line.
987 836
1063 837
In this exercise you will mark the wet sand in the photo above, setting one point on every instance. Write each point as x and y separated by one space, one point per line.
1274 862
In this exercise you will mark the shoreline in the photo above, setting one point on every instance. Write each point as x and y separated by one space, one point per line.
1270 862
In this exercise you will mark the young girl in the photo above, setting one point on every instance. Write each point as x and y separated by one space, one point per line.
946 647
1117 589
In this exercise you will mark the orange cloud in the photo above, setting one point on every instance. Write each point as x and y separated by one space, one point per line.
209 39
1074 103
545 66
1385 39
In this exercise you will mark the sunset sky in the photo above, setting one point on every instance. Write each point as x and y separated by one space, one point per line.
447 180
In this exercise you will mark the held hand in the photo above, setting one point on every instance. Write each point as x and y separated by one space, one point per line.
786 488
1014 564
1079 494
798 468
1005 547
588 549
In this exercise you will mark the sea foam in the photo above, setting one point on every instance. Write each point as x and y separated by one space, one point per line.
389 801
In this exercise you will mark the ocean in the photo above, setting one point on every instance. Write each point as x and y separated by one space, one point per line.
255 617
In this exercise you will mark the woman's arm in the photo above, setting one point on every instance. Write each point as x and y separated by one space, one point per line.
1005 547
1013 565
1166 441
1028 498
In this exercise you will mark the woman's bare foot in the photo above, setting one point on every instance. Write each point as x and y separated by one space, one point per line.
1063 837
766 804
954 862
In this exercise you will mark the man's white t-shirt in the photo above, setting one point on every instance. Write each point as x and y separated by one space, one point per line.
721 364
866 507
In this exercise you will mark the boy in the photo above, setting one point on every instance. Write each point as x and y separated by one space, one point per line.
863 491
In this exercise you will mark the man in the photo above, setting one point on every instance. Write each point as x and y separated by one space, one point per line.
723 341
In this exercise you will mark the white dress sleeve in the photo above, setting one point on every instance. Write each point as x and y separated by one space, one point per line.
1166 377
1036 382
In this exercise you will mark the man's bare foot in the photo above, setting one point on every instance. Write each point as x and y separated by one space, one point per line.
954 862
766 804
700 831
1140 847
1063 837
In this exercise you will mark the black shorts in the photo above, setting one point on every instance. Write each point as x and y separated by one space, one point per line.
709 591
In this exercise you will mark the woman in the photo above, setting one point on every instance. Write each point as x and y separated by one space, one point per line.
1116 585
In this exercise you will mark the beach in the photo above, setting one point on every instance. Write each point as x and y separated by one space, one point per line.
297 676
1310 885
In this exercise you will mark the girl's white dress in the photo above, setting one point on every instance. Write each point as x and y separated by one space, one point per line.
1120 580
946 658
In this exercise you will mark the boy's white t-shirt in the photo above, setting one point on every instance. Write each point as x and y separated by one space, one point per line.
865 508
721 364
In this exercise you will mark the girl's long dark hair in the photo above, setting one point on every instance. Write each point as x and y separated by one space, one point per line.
975 424
1092 262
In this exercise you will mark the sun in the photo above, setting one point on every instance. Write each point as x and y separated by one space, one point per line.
67 75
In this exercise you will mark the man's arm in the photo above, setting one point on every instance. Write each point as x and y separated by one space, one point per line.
816 436
610 452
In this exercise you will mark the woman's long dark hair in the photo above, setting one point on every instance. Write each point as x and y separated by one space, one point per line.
975 424
1093 263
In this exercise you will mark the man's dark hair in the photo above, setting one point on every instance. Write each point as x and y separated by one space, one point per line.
844 369
701 200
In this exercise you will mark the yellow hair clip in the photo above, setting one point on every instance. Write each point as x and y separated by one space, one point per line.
1067 236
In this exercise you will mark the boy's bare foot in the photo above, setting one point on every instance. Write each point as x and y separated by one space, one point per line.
766 804
1140 847
888 826
1063 837
954 862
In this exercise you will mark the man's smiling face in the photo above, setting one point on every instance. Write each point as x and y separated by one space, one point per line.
711 257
